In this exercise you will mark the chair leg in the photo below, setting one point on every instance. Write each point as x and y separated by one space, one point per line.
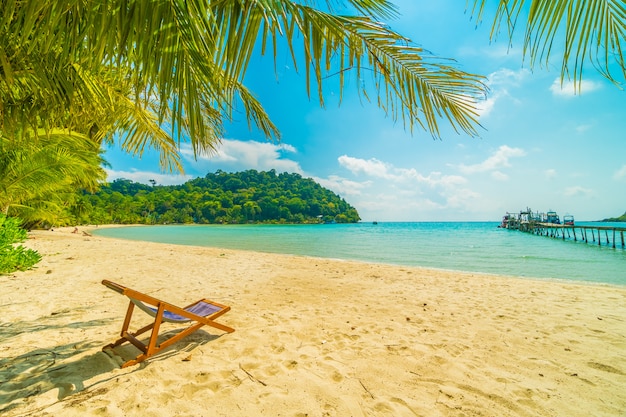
129 315
130 337
152 347
152 344
148 349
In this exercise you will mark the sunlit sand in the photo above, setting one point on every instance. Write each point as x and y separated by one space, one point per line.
313 337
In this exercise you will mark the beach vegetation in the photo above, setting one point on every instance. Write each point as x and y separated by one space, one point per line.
40 174
242 197
13 256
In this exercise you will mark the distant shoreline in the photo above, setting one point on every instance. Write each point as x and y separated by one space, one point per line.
291 249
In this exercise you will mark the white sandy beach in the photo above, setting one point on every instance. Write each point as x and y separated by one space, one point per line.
313 337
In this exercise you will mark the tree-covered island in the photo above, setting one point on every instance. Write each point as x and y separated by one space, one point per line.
621 218
243 197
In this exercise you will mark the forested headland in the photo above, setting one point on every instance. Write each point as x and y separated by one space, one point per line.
621 218
243 197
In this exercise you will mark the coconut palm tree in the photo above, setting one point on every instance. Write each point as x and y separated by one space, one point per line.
158 71
582 32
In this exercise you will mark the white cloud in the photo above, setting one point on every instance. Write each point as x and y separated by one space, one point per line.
371 167
381 170
550 173
620 174
231 155
236 155
577 191
499 83
571 89
383 191
500 159
343 186
485 106
505 78
499 176
144 177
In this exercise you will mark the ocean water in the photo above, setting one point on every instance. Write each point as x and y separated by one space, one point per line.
462 246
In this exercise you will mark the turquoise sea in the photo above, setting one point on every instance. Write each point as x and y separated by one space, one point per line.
463 246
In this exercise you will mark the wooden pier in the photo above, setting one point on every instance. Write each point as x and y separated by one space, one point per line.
607 235
535 223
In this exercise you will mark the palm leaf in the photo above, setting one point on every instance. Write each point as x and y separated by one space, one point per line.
42 167
583 31
410 83
192 57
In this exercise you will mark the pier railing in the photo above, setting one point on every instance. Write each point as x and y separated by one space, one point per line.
600 235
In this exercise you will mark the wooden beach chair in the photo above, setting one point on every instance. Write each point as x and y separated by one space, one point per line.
201 313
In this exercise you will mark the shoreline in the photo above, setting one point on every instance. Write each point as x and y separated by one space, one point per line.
313 337
449 270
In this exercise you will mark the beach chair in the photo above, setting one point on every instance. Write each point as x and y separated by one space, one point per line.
201 313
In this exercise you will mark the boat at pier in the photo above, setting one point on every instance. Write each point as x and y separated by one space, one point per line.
526 219
552 217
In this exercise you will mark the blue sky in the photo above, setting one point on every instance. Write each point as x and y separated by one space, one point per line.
541 147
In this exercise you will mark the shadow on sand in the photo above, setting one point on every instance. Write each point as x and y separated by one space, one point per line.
40 378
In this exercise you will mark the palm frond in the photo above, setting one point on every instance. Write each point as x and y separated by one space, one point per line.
583 32
410 83
42 167
182 65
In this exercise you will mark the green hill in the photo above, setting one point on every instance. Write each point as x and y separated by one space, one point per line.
621 218
220 197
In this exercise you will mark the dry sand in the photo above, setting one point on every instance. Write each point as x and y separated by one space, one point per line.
313 337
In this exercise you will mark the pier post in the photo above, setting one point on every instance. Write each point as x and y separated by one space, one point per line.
613 238
553 230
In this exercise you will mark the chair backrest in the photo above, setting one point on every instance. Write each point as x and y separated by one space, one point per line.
145 303
168 316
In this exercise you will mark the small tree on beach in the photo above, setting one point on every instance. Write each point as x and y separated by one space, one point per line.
14 257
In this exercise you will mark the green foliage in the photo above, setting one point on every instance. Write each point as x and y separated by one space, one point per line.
582 32
41 173
243 197
14 257
621 218
150 73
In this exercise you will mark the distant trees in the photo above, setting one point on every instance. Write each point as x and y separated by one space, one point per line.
621 218
244 197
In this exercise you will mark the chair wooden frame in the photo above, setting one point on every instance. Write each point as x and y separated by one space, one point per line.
201 313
